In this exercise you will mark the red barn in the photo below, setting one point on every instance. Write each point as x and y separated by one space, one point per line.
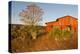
63 22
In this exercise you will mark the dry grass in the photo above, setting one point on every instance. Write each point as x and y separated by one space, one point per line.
24 42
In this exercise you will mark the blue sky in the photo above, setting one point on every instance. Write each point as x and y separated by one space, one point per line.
51 11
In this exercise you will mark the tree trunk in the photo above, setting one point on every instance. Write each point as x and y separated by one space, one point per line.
34 35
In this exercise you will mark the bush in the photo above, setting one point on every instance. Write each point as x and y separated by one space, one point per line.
66 33
55 32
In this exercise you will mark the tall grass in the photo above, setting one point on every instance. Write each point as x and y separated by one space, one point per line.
59 36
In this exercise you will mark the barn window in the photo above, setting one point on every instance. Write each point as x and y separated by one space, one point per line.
69 27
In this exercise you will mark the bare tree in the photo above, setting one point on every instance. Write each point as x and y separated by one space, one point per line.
31 16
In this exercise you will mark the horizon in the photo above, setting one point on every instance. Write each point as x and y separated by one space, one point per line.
47 22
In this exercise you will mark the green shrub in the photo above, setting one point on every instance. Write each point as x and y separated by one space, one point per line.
55 32
66 33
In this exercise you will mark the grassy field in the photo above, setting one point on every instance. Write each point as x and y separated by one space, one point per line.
21 40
